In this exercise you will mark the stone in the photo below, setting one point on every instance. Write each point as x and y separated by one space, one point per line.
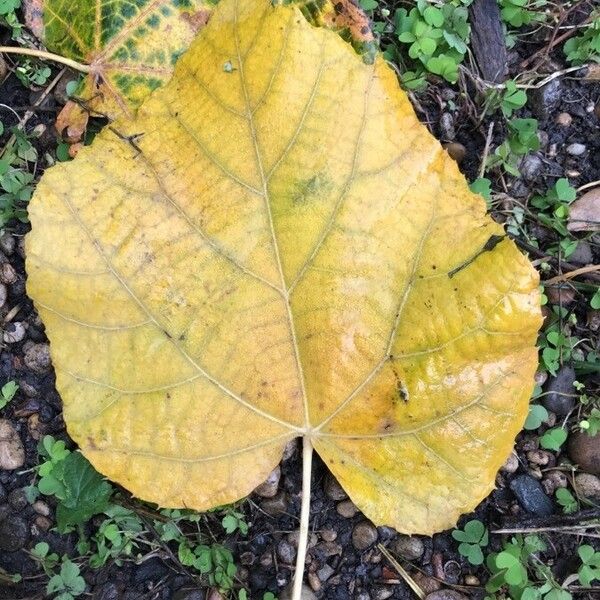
37 358
14 332
544 99
346 509
588 485
582 255
110 591
554 480
563 119
584 213
427 583
14 533
576 149
3 295
446 594
364 535
329 535
314 581
382 592
8 274
42 523
286 552
276 505
333 489
456 151
584 451
325 572
530 167
41 508
269 487
560 395
7 243
18 499
447 130
531 496
408 547
12 452
511 465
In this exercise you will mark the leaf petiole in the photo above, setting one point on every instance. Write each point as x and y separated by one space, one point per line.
46 56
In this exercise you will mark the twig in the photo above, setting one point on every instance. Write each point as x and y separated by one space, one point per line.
402 571
486 149
571 274
46 56
586 186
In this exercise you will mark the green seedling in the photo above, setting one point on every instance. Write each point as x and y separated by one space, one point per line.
473 537
590 568
553 439
7 393
568 502
68 583
537 415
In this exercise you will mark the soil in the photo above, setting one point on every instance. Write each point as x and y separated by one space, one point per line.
263 555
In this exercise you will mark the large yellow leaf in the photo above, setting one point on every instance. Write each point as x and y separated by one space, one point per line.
282 250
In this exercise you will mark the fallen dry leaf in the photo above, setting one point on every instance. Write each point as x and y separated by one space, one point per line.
584 213
276 247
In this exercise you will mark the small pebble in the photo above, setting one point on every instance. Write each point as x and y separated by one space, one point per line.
18 499
587 485
584 451
593 319
14 332
346 509
512 463
325 572
446 594
560 395
530 167
14 533
12 453
41 508
554 480
286 552
583 254
426 583
329 535
333 489
456 151
531 496
408 547
382 592
42 523
472 580
447 130
540 457
314 581
276 505
37 358
305 594
3 295
576 149
8 274
268 488
364 535
7 243
564 119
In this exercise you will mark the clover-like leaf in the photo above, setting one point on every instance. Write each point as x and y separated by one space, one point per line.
275 250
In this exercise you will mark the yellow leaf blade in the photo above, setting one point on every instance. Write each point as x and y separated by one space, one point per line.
276 247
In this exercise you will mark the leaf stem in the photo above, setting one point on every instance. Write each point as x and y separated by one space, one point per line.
46 56
307 452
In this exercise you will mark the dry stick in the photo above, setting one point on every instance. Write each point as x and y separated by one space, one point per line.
571 274
46 56
486 149
402 571
307 452
586 186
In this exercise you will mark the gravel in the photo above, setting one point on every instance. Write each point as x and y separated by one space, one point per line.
364 535
531 496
